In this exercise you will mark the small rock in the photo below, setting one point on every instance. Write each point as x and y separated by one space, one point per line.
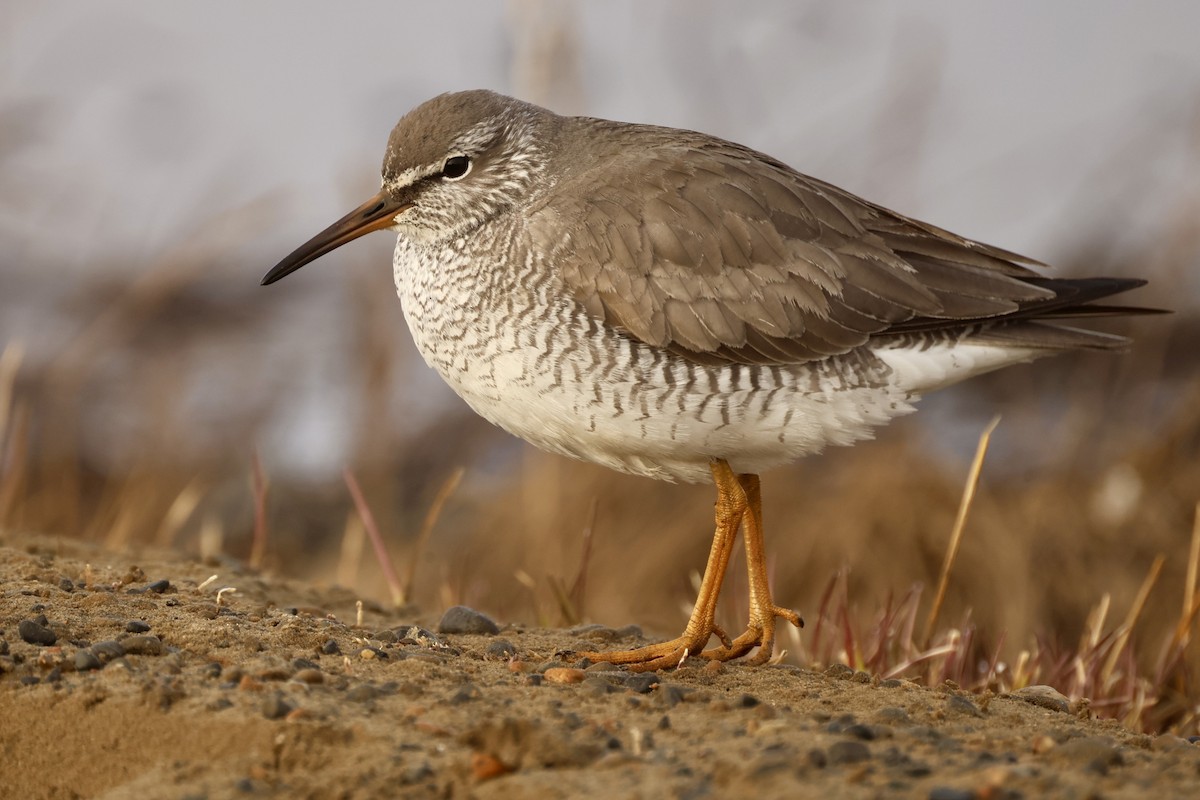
30 680
848 752
309 676
275 707
672 694
86 660
136 626
158 587
893 715
500 648
642 682
3 647
387 637
563 675
460 619
143 645
839 671
66 585
36 632
54 675
748 701
362 693
330 648
485 766
598 685
962 705
465 694
950 793
818 758
859 731
108 650
1044 697
304 663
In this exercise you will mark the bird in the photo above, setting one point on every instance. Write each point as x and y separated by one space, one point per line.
673 305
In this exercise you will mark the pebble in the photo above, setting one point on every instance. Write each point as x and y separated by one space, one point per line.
310 676
35 632
362 693
142 645
950 793
158 587
460 619
66 585
962 705
330 648
3 647
304 663
563 675
672 695
848 752
1044 697
275 707
598 685
642 683
465 694
500 648
893 714
748 701
136 626
86 660
108 650
840 671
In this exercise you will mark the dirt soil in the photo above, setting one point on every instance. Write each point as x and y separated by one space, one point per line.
149 681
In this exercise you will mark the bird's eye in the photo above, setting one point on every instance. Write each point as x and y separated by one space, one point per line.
456 167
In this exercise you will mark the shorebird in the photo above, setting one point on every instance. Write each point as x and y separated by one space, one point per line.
677 306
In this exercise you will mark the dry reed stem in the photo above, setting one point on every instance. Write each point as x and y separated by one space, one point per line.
960 522
259 485
1193 566
427 525
10 363
1126 629
350 554
381 554
579 585
11 431
179 512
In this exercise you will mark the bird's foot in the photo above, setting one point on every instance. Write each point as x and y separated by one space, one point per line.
760 633
664 655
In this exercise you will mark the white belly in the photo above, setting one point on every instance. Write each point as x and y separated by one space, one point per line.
557 379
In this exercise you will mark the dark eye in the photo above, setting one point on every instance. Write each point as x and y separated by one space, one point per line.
456 167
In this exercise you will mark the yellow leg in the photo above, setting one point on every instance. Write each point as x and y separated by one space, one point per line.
730 508
760 630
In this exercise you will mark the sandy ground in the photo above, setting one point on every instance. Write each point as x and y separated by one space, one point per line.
156 687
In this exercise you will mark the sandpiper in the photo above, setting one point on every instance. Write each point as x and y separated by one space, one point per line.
673 305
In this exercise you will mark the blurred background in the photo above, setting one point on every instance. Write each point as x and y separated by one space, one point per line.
157 159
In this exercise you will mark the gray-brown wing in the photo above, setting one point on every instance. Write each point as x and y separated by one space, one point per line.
724 255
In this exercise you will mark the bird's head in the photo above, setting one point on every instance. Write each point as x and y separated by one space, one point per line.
452 164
